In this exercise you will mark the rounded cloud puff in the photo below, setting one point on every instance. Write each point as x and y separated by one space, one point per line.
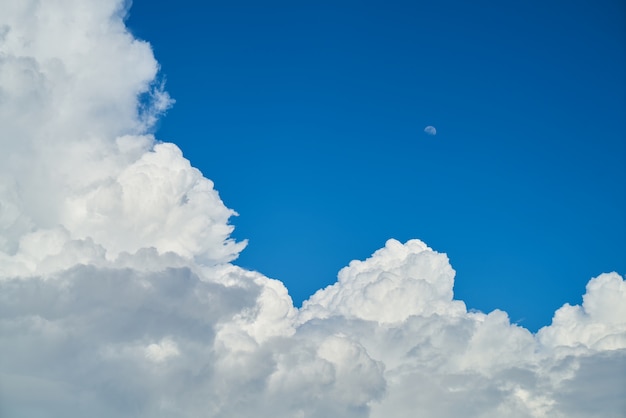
409 279
160 188
600 323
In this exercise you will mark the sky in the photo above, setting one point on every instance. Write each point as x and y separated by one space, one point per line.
310 117
305 210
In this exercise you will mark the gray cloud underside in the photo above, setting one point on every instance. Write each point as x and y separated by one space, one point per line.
223 342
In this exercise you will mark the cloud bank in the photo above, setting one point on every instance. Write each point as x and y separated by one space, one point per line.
118 296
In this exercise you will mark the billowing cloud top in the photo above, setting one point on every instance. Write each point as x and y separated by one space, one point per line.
118 298
77 168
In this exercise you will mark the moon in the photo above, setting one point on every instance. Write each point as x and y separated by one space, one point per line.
430 130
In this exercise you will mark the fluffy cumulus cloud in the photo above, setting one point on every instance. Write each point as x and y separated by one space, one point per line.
118 296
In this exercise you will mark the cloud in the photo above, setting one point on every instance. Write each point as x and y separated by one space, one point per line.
118 296
74 135
409 279
430 130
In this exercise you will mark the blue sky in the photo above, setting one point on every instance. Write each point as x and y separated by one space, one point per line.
309 118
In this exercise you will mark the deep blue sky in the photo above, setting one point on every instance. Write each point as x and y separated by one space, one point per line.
309 118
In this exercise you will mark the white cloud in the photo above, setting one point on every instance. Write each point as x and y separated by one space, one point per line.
597 324
159 352
118 298
76 152
430 130
409 279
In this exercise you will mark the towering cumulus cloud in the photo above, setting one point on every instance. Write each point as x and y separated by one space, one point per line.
118 297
